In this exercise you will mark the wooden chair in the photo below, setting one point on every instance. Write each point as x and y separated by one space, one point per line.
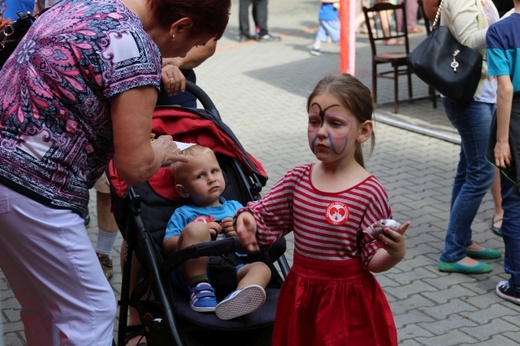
382 33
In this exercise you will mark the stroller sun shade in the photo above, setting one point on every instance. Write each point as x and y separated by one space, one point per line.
191 126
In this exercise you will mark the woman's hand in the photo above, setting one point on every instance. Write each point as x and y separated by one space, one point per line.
246 231
502 153
165 146
172 78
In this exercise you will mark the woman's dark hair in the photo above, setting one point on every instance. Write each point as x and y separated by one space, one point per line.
353 95
208 16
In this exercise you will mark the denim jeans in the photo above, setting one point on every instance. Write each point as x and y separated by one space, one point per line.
474 174
511 230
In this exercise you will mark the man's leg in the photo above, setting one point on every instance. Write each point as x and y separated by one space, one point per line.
243 18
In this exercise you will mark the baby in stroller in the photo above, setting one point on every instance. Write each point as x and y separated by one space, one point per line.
209 216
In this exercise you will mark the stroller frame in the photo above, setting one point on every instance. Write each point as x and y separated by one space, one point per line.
139 239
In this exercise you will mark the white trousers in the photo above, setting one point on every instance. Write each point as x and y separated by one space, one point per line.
52 268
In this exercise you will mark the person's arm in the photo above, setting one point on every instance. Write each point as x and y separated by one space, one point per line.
502 149
463 21
430 8
246 231
171 73
135 157
170 245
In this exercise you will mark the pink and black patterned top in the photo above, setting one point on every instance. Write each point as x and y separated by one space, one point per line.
55 125
326 226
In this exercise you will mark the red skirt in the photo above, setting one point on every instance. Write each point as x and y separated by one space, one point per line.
332 303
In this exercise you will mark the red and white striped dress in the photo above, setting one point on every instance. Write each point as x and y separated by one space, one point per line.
329 297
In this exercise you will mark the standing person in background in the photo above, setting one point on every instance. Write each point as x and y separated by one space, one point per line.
412 9
468 22
503 47
63 116
261 12
330 293
329 25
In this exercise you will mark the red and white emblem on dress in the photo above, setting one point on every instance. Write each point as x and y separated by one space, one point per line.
337 213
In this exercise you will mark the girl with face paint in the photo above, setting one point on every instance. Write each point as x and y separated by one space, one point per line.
330 296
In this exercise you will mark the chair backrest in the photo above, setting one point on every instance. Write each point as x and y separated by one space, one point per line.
382 27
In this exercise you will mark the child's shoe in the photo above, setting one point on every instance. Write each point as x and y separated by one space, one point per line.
315 51
241 302
203 298
507 292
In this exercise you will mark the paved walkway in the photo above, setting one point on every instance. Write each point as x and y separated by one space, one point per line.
260 90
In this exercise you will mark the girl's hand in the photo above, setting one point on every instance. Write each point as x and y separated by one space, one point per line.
246 231
227 227
393 241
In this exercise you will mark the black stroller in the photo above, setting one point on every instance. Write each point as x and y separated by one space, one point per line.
142 213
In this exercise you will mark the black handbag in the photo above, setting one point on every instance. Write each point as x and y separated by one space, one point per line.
12 34
445 64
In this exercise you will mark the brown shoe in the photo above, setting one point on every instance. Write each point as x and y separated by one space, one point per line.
106 264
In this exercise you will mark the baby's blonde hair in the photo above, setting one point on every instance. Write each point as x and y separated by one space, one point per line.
194 150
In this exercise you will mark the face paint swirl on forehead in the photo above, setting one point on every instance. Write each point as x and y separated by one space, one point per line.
337 143
321 113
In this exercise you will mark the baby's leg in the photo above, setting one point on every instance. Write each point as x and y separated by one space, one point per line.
194 233
256 273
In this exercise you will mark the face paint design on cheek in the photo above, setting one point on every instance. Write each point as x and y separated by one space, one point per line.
339 143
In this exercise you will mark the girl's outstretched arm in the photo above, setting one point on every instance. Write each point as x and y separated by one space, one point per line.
392 251
246 231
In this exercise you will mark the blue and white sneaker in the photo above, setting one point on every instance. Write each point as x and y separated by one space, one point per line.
203 298
241 302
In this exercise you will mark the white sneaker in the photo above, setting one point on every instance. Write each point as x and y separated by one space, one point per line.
241 302
315 51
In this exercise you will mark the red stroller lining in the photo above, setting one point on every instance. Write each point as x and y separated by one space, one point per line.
190 126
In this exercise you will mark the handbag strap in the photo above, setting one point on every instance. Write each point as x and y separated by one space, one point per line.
436 21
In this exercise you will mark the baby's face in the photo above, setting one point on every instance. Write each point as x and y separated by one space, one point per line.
203 179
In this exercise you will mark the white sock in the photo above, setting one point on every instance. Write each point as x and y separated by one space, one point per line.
105 242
